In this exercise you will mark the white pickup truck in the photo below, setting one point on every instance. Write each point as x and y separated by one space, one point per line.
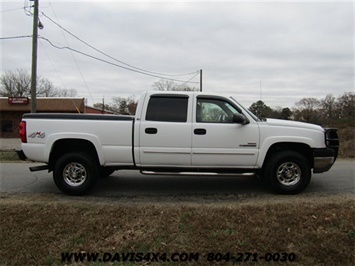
177 133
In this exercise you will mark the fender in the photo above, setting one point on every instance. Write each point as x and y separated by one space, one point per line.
268 142
80 136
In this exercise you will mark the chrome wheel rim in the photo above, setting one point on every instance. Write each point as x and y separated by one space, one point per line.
289 174
74 174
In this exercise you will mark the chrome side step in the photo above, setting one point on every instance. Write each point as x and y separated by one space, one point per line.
195 173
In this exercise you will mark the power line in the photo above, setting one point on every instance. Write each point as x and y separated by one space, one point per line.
131 66
55 69
9 10
127 66
190 80
74 59
15 37
110 63
27 8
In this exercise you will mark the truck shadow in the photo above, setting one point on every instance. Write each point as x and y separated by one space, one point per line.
132 183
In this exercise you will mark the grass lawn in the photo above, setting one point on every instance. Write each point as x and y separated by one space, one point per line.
307 229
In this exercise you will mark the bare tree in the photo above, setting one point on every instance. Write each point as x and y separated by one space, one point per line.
328 108
15 84
66 92
346 105
45 88
164 85
307 110
18 84
169 85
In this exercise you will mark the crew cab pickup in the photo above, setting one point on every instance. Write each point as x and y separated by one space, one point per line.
177 133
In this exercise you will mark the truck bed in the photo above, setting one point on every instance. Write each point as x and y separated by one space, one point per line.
110 134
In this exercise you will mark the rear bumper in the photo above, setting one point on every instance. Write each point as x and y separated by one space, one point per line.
324 159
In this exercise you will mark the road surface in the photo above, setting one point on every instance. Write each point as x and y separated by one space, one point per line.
16 177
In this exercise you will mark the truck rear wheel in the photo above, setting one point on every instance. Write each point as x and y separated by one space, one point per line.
287 172
75 173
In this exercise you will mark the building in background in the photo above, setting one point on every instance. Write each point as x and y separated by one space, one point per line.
94 110
12 109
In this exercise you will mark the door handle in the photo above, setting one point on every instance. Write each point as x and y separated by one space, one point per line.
151 130
200 131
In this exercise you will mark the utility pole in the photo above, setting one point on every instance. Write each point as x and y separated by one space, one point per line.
103 105
34 58
200 79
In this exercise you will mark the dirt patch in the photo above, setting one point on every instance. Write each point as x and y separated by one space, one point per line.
38 229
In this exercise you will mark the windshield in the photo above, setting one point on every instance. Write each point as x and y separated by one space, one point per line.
247 110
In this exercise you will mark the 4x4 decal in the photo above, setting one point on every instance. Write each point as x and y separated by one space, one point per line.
40 135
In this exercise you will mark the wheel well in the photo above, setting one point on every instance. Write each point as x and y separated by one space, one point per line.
300 148
64 146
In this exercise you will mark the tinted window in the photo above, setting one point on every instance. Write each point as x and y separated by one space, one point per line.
167 109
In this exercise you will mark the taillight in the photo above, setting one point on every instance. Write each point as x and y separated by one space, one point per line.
23 131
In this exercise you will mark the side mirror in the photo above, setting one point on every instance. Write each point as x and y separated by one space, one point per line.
240 119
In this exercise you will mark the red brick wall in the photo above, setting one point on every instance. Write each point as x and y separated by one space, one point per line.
15 117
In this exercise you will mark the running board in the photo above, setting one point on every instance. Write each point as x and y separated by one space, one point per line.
195 173
39 168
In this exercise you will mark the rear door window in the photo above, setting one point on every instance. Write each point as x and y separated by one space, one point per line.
167 109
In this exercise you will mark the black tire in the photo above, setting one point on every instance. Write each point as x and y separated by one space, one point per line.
287 172
75 173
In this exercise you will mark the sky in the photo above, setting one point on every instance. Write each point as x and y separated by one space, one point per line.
279 51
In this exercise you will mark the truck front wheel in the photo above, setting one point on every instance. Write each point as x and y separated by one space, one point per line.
75 173
287 172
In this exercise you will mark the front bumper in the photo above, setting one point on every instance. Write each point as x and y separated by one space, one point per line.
323 159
